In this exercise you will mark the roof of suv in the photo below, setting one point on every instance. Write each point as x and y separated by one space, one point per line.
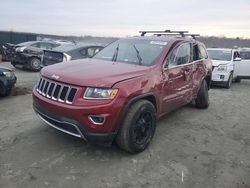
223 49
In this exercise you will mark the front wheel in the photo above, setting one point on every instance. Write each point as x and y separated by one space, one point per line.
35 64
202 99
138 127
230 81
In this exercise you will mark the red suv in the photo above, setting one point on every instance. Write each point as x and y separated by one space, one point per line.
121 92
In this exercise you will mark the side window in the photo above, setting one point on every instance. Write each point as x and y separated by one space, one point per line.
83 52
245 55
37 45
202 52
45 46
196 52
55 45
91 52
179 56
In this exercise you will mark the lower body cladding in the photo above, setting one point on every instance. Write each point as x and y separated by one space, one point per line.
53 116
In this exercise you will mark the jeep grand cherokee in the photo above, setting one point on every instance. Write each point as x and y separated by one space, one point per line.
120 93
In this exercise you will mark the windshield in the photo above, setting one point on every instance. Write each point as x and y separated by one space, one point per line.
140 52
26 43
224 55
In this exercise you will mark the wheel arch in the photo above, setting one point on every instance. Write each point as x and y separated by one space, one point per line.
208 79
149 97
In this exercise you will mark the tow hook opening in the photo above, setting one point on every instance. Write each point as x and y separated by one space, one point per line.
97 119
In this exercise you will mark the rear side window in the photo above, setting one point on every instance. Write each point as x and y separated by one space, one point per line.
245 55
202 52
37 45
179 56
46 46
83 52
92 51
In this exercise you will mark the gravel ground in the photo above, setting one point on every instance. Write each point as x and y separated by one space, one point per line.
192 148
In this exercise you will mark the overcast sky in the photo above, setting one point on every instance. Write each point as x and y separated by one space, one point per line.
230 18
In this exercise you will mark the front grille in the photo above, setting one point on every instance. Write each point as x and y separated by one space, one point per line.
56 91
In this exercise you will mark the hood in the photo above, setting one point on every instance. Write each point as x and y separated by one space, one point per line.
5 69
93 72
216 63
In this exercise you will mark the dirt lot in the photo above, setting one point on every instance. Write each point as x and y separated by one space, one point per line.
192 148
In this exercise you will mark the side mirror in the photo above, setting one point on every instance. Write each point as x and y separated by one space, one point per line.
237 59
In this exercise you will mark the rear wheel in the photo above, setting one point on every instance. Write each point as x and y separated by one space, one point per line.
202 99
230 81
138 127
35 64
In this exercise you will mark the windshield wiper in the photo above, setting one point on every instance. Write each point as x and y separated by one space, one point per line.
116 53
138 55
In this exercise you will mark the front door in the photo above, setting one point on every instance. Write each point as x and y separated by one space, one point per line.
177 78
243 66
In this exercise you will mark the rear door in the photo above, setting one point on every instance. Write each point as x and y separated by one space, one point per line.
244 64
177 78
200 61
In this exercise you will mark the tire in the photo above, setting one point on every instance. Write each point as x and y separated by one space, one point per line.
8 92
4 91
230 81
138 127
237 80
35 64
202 99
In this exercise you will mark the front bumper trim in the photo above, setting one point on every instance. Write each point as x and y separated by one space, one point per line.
63 130
72 127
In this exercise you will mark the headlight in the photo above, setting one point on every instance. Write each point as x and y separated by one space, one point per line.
8 74
99 93
21 49
222 68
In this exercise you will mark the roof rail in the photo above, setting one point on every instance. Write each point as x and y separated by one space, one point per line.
169 33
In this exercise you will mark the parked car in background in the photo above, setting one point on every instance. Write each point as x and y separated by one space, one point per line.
28 54
7 81
224 69
6 51
242 68
121 92
69 52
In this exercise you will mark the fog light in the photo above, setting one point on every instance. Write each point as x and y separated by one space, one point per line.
222 77
97 120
